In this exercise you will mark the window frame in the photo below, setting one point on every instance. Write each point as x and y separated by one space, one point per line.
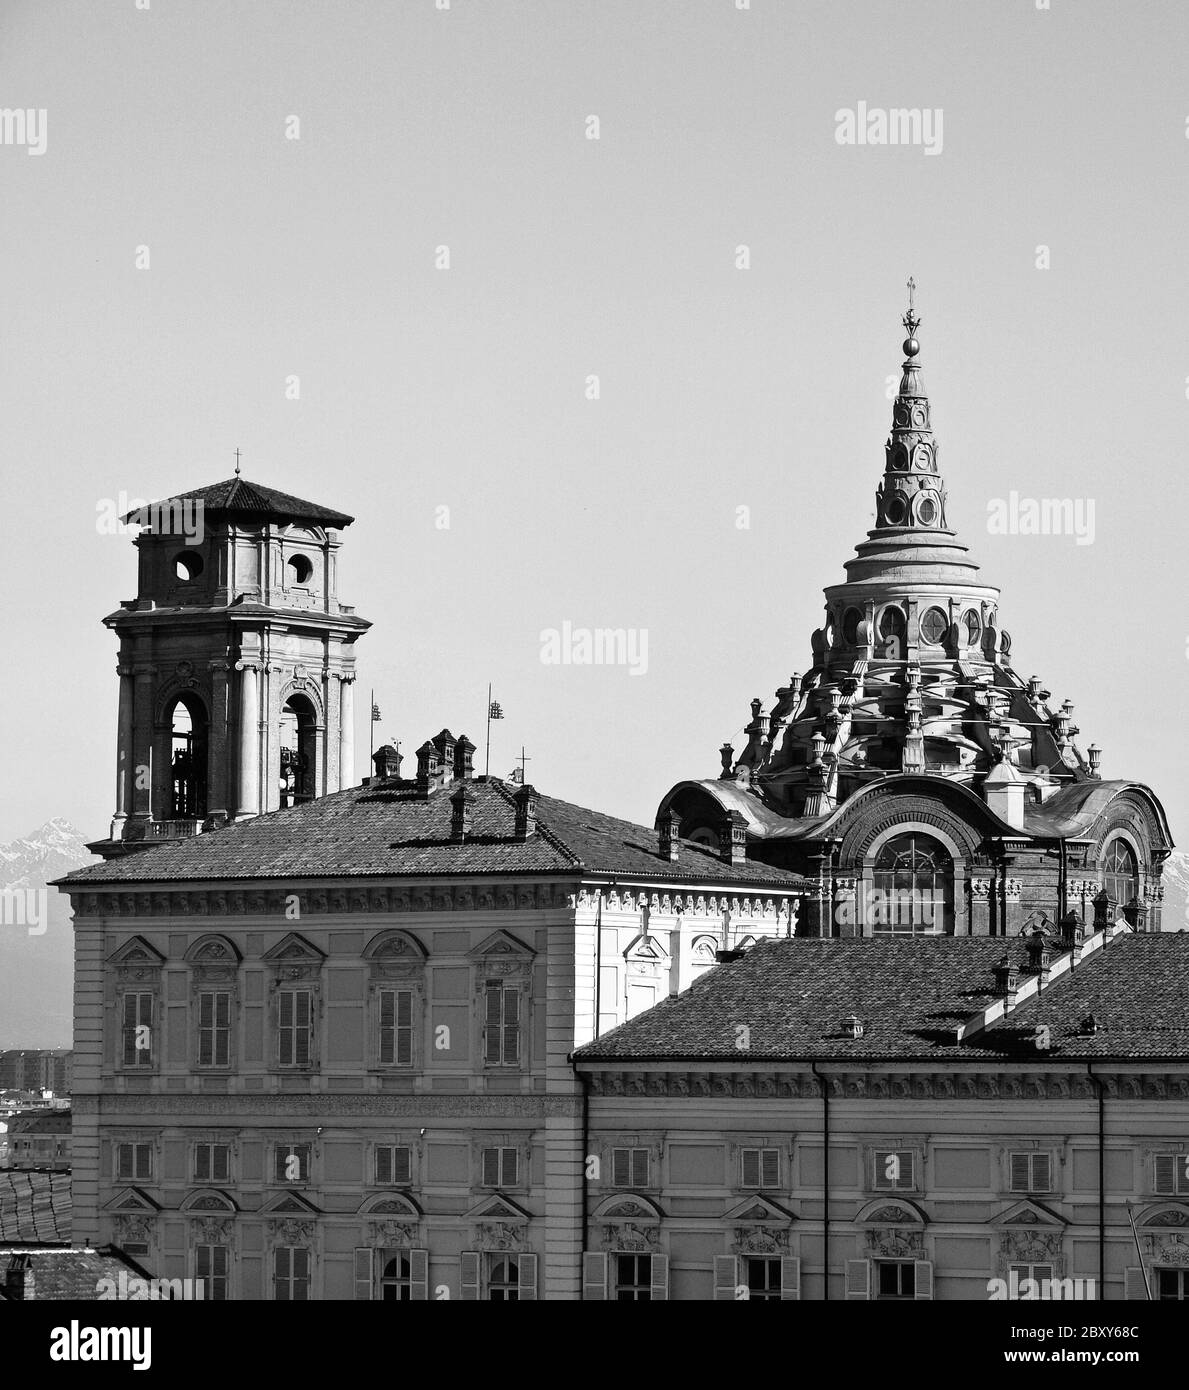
501 1030
392 1150
309 1027
214 1028
635 1153
211 1279
502 1152
292 1278
762 1152
1031 1156
136 1145
210 1145
144 1059
883 1184
282 1151
396 1062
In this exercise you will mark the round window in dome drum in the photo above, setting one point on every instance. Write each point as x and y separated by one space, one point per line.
933 626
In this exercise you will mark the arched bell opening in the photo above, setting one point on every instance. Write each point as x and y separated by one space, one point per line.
299 751
189 730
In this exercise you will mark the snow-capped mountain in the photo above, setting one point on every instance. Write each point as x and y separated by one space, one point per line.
36 938
1175 916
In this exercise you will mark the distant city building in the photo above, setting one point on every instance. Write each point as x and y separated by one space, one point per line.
38 1139
37 1070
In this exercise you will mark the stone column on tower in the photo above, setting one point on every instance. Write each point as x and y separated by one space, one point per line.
124 773
249 740
142 738
346 731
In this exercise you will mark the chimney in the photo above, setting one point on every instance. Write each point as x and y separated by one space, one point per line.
733 838
727 756
387 763
427 768
460 813
464 754
526 811
1040 953
1007 977
669 827
1095 760
1071 931
445 743
1003 791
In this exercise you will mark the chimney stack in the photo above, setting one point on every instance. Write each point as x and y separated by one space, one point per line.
444 744
464 754
1007 977
526 812
733 838
669 828
460 813
427 768
387 763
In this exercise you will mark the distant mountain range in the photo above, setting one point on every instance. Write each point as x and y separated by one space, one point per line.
37 970
1175 916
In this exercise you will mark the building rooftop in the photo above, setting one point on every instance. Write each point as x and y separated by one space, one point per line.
389 829
911 994
34 1206
238 497
71 1273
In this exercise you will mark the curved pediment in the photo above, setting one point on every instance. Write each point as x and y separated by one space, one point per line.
393 1205
627 1206
213 949
209 1199
891 1211
395 945
1165 1214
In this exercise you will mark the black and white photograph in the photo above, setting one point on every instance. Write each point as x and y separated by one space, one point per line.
601 598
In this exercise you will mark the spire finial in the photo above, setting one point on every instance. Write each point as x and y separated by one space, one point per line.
237 463
910 321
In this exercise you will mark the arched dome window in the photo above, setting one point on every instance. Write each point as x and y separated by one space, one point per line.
1119 872
913 887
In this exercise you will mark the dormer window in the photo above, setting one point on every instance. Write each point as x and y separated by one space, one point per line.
188 566
301 569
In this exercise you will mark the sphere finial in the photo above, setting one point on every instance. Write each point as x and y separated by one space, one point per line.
911 322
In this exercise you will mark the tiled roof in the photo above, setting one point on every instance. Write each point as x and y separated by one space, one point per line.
237 496
911 993
70 1274
34 1206
387 829
55 1121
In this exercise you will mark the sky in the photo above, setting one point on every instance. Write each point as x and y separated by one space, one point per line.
1044 228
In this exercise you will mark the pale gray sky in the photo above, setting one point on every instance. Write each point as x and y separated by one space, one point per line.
720 388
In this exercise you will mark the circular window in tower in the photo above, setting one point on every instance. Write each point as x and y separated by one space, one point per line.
894 510
973 627
850 626
188 565
934 626
891 622
300 569
926 511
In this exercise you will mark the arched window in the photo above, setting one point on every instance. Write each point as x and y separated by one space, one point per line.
913 888
396 1278
299 748
187 760
504 1284
1119 872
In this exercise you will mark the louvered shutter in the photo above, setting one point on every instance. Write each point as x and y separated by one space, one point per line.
387 1026
202 1163
528 1278
771 1167
404 1027
492 1021
419 1275
383 1163
143 1158
907 1176
858 1279
639 1167
302 1019
1134 1286
470 1275
726 1278
1042 1178
202 1262
221 1163
790 1277
751 1167
1166 1174
594 1276
402 1164
1182 1166
511 1025
280 1268
363 1272
1020 1169
491 1167
509 1174
660 1278
222 1028
924 1278
301 1270
285 1026
621 1167
206 1025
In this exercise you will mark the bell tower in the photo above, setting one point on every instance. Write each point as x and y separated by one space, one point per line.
236 663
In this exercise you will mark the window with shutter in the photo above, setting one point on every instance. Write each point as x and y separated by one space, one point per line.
726 1278
295 1027
134 1162
138 1029
291 1273
212 1162
761 1167
636 1277
763 1278
923 1277
1170 1285
893 1169
396 1027
1031 1171
629 1167
594 1276
858 1279
790 1278
503 1279
363 1271
470 1272
214 1028
394 1164
212 1264
1172 1174
528 1277
419 1274
501 1024
292 1163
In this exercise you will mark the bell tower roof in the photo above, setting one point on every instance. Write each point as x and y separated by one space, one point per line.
239 497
